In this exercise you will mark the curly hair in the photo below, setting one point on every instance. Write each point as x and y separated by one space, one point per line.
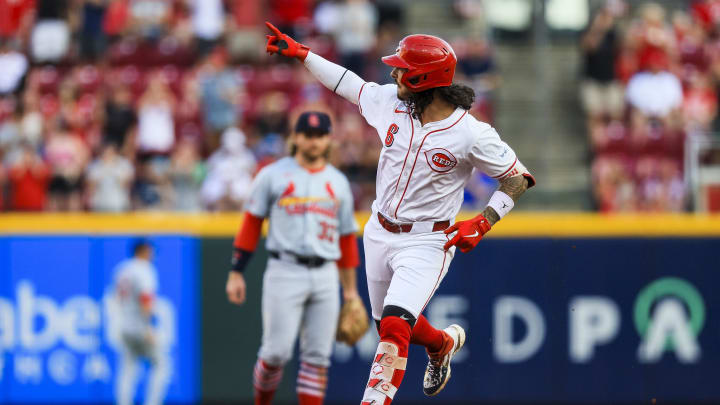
458 95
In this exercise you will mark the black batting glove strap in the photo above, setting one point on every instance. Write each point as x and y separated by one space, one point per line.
240 259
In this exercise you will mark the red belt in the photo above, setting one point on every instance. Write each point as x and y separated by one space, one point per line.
398 228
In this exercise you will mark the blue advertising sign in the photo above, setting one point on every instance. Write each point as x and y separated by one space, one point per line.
569 321
57 340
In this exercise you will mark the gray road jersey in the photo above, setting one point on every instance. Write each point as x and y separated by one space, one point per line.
308 212
133 279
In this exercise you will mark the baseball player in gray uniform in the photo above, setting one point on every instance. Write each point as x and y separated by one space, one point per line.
431 145
312 226
135 288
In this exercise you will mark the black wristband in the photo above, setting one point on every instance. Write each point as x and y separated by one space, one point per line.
240 259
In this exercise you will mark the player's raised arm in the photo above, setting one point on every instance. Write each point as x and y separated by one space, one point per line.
335 77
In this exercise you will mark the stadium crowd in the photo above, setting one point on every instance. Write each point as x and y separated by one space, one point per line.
115 105
649 82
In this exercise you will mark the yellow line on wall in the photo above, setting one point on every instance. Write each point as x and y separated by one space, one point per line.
517 224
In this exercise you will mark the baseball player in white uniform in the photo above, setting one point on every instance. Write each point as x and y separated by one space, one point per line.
431 146
135 288
311 236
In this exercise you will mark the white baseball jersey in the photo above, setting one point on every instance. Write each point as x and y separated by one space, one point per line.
134 280
308 211
423 169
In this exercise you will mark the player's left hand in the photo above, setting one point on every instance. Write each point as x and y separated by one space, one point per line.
469 233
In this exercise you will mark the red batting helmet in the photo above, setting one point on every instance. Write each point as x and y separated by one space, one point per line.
430 62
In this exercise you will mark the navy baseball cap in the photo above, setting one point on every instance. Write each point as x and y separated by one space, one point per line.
313 122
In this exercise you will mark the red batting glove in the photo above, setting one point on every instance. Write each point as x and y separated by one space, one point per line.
284 45
468 233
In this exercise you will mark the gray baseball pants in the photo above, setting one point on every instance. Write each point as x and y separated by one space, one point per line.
133 349
299 300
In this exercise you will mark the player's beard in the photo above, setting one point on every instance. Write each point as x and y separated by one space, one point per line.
403 93
311 156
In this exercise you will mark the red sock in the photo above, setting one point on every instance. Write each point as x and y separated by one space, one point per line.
424 334
311 384
266 379
397 331
263 397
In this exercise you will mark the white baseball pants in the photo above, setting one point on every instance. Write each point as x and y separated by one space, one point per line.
403 269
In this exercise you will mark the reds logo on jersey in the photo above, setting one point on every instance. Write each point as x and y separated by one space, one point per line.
440 160
390 138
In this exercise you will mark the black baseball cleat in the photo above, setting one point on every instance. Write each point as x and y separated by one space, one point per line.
437 372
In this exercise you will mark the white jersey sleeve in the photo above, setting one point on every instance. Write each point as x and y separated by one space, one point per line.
491 155
260 197
147 281
376 103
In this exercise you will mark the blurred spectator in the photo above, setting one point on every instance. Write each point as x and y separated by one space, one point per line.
108 181
478 66
156 126
150 18
186 176
208 20
700 103
92 36
601 93
353 24
32 124
116 18
290 15
11 139
272 115
13 67
655 92
51 34
661 185
152 188
652 32
613 185
707 13
28 181
15 19
67 156
229 173
120 117
245 30
221 91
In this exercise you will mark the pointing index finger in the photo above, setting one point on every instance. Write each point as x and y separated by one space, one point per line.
273 28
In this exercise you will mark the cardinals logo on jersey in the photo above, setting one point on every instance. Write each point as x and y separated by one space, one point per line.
440 160
390 138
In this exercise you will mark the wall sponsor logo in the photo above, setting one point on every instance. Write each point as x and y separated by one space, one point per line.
65 342
669 314
660 317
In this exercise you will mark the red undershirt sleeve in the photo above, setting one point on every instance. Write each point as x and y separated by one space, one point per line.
249 233
349 256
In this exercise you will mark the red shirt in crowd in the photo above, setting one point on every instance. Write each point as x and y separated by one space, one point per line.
12 13
28 188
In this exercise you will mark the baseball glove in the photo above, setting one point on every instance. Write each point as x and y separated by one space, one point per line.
353 322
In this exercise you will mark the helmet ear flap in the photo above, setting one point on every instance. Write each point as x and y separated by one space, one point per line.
415 80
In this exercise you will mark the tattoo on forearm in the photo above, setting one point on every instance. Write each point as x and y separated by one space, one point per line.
490 214
512 186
